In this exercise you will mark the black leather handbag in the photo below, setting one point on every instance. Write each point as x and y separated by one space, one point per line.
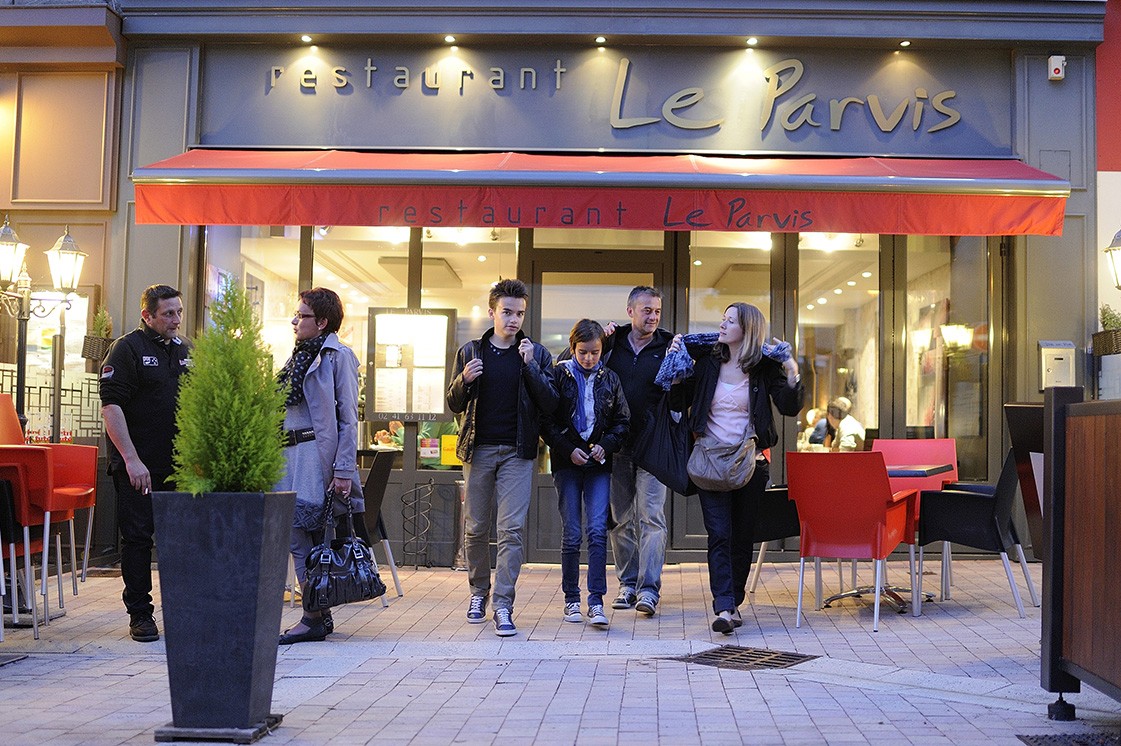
340 570
663 446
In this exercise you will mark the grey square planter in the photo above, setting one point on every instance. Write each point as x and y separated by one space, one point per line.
223 562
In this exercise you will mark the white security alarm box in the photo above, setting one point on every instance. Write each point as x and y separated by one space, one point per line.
1056 363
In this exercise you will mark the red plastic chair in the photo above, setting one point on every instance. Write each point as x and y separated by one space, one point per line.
920 451
847 510
48 483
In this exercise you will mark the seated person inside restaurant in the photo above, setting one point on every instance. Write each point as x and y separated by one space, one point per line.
818 427
849 432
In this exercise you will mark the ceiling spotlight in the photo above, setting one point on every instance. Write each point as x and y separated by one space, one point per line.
305 38
752 41
836 291
449 39
822 301
851 283
904 43
865 275
482 257
601 40
696 262
493 234
810 306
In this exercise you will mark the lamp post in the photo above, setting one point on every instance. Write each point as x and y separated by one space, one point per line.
18 300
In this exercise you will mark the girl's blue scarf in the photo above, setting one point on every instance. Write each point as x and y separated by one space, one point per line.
582 376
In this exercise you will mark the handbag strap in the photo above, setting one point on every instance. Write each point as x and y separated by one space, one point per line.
328 517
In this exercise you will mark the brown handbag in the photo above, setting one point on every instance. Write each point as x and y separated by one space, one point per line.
721 467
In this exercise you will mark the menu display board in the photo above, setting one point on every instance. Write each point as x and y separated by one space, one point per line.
411 351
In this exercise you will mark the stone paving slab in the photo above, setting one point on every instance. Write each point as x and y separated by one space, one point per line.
966 672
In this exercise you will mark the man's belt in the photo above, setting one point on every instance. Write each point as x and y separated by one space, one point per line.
292 437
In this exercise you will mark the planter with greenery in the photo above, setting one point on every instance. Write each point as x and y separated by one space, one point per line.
223 540
1108 341
100 336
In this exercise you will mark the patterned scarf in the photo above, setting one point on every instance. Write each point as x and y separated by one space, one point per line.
679 364
297 366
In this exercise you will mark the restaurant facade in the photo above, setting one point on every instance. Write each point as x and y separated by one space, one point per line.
906 190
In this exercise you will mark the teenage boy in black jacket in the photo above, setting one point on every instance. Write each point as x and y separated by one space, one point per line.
501 386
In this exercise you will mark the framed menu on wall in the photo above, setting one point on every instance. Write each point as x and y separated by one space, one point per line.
410 355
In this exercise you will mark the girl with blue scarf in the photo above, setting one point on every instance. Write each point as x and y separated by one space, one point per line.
589 425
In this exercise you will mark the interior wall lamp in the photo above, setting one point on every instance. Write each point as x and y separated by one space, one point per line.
17 299
1113 257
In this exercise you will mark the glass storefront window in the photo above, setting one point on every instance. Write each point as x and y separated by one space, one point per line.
725 268
568 238
839 329
948 345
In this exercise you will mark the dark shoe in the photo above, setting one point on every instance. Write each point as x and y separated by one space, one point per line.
142 627
647 604
316 632
723 623
737 619
504 623
477 610
624 600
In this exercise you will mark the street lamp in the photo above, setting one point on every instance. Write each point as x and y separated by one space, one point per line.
66 262
1113 256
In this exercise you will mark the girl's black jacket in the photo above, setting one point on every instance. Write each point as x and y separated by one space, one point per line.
613 417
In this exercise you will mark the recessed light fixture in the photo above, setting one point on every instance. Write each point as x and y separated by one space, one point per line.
449 39
305 38
601 40
836 291
810 306
904 43
482 257
865 275
696 262
851 283
752 41
822 301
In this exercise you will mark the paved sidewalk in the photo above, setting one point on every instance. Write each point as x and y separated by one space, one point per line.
966 672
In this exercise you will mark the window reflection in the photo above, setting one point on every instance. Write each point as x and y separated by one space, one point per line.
725 268
838 329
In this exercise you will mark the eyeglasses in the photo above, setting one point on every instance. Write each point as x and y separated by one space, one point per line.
299 315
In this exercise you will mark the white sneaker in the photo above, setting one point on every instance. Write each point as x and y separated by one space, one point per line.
572 612
596 616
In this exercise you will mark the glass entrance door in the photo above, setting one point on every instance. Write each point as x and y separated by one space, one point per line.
569 285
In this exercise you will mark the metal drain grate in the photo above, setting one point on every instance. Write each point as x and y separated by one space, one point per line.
1072 739
745 659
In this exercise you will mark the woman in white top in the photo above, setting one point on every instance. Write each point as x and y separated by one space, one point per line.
729 397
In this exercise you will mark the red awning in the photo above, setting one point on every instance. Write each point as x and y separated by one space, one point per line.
648 192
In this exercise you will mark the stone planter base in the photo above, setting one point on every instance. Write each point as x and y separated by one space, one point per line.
226 735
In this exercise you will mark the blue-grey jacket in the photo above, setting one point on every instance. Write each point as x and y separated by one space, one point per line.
331 391
536 397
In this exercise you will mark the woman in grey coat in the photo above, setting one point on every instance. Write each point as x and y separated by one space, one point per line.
321 436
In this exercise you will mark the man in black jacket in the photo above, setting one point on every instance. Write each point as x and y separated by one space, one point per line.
139 386
638 499
501 386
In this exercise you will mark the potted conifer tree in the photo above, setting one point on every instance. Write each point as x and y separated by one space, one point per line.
223 539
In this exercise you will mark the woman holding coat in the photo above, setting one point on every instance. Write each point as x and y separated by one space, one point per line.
729 398
321 436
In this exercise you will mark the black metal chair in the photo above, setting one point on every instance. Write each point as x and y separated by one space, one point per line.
373 491
777 519
977 516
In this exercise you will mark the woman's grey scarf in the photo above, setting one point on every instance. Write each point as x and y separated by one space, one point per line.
679 364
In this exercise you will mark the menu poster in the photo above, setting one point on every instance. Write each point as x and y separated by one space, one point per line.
410 355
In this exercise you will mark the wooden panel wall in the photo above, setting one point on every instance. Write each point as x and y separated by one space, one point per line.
1092 564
